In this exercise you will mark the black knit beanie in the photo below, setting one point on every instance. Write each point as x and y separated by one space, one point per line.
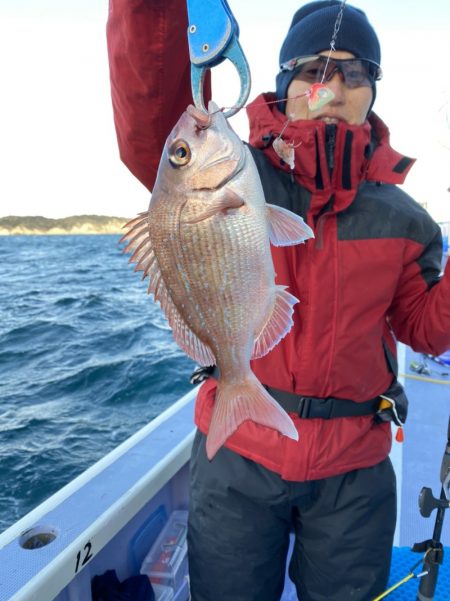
311 32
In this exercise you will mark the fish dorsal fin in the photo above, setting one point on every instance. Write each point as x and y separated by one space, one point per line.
278 325
139 242
286 228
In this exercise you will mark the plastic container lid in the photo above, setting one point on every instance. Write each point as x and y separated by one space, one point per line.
166 562
162 593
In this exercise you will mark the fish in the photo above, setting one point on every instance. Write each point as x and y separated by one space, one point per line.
204 245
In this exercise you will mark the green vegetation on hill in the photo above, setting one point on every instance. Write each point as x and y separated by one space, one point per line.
78 224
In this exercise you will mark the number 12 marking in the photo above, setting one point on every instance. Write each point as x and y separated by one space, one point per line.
87 556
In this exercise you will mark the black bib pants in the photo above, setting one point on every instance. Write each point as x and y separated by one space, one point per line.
241 516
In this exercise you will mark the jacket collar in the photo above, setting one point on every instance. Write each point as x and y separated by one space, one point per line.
361 153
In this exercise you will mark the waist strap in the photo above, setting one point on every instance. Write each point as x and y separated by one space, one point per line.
329 408
313 407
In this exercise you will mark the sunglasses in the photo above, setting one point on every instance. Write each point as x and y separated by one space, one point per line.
356 72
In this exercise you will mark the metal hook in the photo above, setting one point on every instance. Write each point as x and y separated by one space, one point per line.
235 55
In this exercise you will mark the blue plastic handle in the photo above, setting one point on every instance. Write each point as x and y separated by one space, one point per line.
211 28
213 37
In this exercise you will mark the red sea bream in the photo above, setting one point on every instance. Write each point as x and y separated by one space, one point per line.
204 244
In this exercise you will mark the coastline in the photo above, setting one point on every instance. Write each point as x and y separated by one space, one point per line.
75 225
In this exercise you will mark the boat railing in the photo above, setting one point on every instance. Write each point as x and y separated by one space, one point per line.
45 551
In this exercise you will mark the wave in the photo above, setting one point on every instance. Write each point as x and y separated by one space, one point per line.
86 359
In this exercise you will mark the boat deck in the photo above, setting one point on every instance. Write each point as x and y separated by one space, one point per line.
418 460
100 519
417 463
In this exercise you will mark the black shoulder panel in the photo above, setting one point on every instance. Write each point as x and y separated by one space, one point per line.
279 188
385 211
430 262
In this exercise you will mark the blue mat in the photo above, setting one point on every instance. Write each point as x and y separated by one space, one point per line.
403 559
417 463
402 562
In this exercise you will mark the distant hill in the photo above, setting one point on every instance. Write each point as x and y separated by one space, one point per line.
79 224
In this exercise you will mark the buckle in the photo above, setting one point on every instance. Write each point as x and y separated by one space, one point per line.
387 411
304 406
314 407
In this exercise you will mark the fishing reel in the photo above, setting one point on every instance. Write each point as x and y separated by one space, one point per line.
428 503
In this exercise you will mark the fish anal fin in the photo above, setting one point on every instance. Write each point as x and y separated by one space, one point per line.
191 344
278 325
186 339
246 400
286 228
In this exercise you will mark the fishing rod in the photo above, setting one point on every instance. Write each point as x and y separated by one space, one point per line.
433 548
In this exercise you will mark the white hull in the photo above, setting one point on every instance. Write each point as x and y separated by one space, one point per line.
108 517
97 515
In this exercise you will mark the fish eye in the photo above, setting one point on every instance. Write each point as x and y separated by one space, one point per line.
179 153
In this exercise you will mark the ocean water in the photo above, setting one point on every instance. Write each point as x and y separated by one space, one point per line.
86 359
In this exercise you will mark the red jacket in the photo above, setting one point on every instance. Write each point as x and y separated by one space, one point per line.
370 276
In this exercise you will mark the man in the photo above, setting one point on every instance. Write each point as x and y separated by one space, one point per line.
369 277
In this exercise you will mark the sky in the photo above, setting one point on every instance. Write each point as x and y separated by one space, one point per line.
58 150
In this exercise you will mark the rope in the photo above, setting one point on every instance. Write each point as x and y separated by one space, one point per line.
395 586
424 379
404 580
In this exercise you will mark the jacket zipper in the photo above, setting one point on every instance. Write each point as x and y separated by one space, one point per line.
330 145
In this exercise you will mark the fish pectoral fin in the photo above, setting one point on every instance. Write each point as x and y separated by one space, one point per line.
214 175
286 228
238 402
224 201
278 325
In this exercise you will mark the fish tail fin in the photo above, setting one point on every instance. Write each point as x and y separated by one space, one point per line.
241 401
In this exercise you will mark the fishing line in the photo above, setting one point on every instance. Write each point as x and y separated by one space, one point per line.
318 96
266 102
337 26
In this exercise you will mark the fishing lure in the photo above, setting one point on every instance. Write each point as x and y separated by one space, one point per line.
319 96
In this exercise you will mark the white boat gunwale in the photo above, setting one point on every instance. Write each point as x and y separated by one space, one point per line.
162 447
